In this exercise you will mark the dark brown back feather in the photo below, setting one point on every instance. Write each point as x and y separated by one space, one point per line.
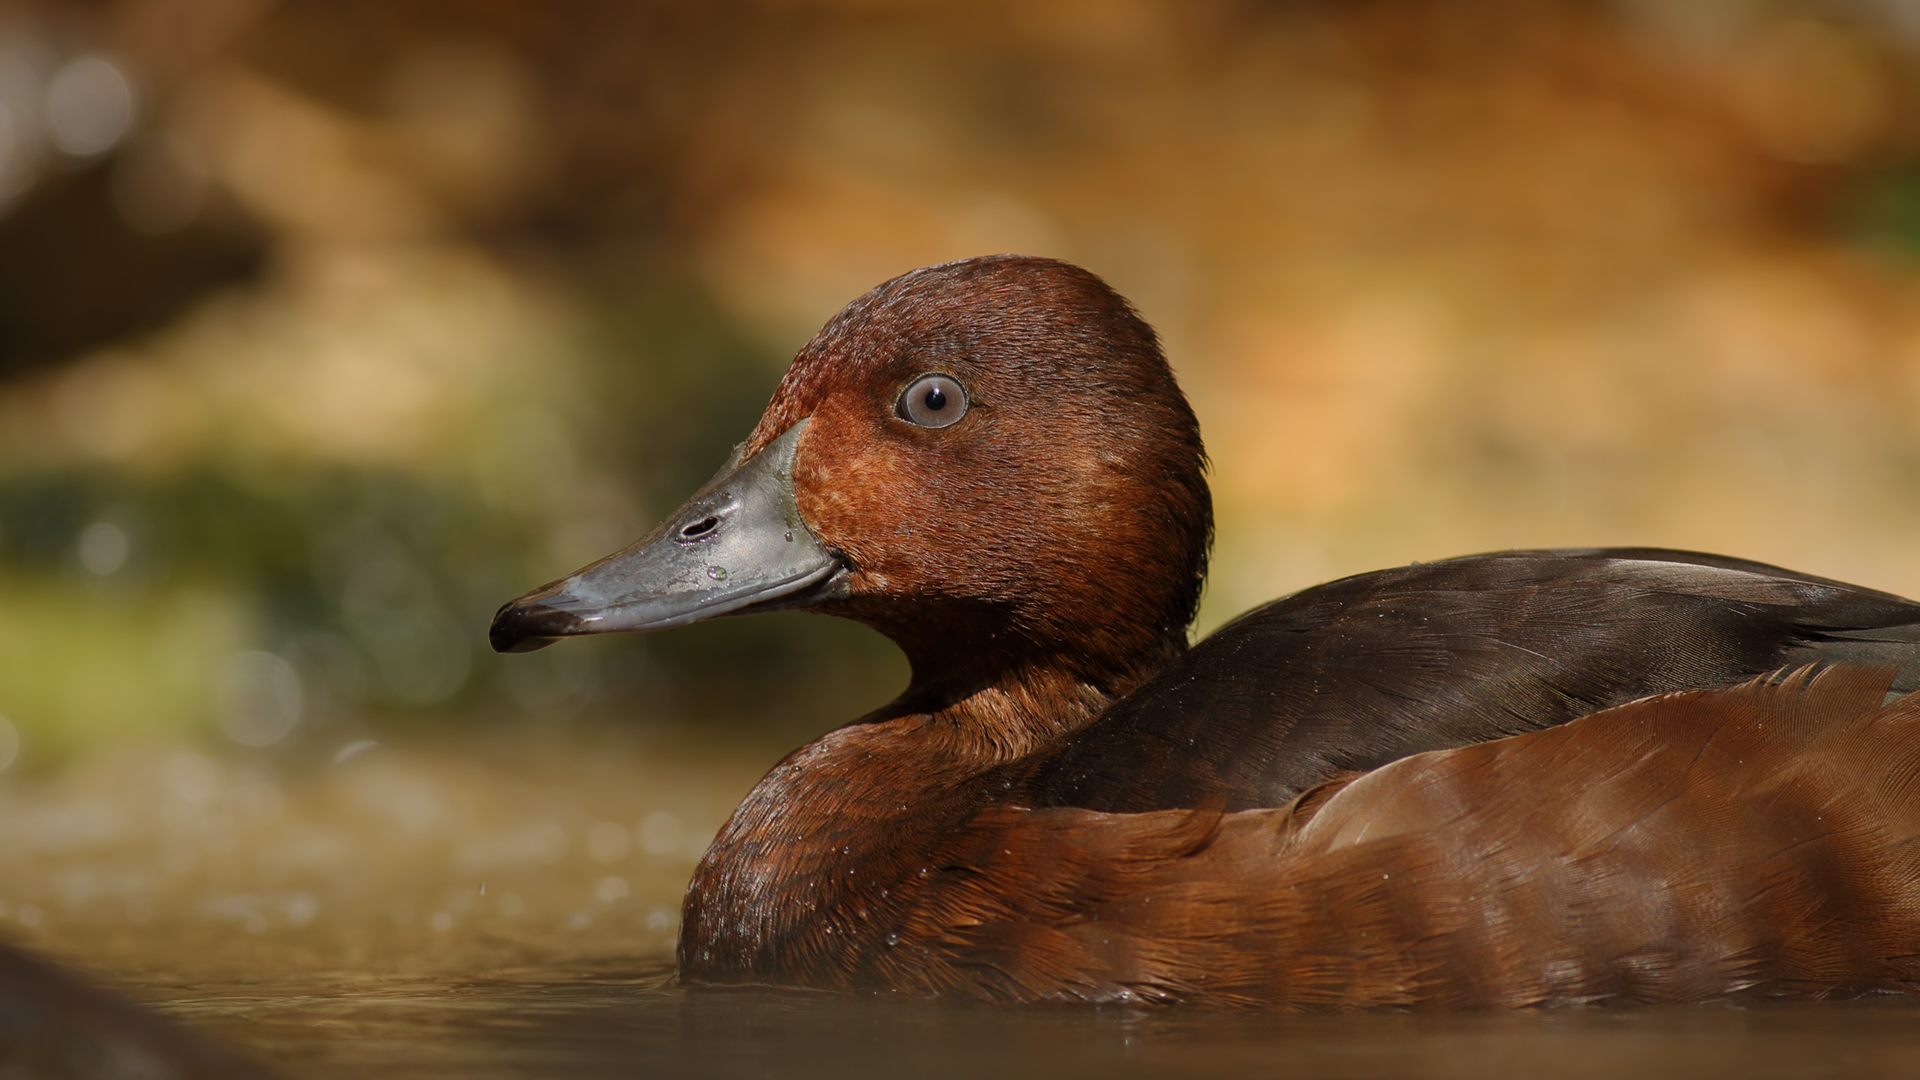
1359 672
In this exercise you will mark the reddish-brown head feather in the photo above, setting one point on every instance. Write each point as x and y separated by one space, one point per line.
1063 522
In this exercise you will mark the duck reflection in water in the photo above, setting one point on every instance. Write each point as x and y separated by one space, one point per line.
1519 779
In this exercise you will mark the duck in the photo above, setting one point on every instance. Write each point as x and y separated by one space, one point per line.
1519 779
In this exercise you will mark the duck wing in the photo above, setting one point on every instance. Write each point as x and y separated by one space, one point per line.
1354 674
1751 842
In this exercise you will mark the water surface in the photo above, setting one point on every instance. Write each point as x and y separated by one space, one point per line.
505 906
619 1019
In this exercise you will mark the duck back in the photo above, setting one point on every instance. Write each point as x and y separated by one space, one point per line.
1356 673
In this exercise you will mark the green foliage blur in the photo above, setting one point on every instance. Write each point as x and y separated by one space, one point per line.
376 585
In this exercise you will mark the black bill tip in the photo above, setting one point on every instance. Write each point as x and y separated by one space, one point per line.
524 627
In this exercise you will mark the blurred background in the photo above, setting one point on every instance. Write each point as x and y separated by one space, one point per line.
327 326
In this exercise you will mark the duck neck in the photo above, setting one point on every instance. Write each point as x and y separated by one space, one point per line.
987 724
826 844
992 693
995 714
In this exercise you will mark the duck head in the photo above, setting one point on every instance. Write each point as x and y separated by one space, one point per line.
988 461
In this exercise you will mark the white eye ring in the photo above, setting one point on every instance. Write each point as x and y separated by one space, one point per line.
933 401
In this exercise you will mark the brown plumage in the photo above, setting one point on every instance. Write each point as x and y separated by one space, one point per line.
1755 841
1424 787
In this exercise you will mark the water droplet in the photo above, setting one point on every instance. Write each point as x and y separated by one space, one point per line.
789 536
892 939
717 573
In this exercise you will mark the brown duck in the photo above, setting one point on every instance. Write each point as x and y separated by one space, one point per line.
1517 779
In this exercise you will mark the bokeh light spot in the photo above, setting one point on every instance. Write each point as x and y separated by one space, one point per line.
259 698
104 547
301 909
88 106
662 833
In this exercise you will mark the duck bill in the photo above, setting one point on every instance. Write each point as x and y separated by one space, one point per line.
738 546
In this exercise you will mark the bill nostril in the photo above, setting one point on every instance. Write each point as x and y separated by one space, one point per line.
699 528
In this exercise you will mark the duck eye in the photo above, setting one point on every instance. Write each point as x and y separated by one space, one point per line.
932 401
